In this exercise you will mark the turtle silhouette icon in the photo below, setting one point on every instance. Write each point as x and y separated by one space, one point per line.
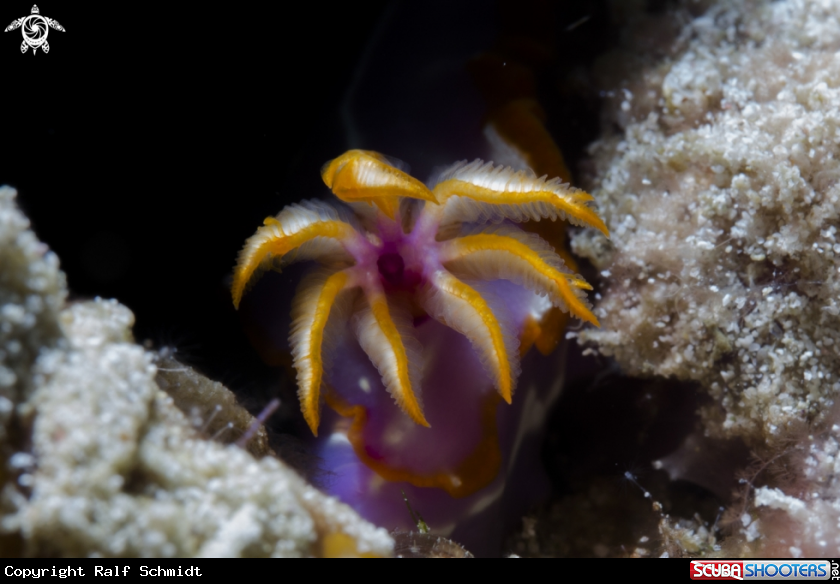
35 29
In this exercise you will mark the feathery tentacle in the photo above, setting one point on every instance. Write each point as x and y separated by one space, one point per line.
310 312
312 228
517 256
462 308
480 192
383 333
361 175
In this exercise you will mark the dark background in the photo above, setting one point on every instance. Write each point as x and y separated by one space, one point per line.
152 140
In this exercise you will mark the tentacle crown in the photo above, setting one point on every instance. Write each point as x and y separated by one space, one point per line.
403 270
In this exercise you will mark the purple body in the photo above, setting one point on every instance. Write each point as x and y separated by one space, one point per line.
457 392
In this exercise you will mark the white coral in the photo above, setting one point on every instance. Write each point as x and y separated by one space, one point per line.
115 468
722 198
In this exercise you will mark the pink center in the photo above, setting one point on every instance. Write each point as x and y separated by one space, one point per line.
392 269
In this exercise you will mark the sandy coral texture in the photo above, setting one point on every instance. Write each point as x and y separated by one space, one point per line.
721 194
98 460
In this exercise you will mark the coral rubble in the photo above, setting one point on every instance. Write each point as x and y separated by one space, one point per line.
722 198
721 193
99 459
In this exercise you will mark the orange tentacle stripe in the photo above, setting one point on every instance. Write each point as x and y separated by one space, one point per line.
576 307
315 312
403 392
464 246
570 202
497 352
271 241
360 175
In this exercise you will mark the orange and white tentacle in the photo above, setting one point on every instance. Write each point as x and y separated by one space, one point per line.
479 192
386 334
313 306
366 176
384 329
508 253
462 308
310 230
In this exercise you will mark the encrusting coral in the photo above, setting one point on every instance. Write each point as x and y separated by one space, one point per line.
722 199
113 467
32 292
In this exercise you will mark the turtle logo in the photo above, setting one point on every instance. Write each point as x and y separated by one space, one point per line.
35 29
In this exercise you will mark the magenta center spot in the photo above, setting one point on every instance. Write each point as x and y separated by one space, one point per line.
392 268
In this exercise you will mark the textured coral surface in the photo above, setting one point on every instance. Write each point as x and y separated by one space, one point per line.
721 194
32 291
102 462
722 199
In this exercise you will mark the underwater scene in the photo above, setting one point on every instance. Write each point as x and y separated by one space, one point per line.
422 279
